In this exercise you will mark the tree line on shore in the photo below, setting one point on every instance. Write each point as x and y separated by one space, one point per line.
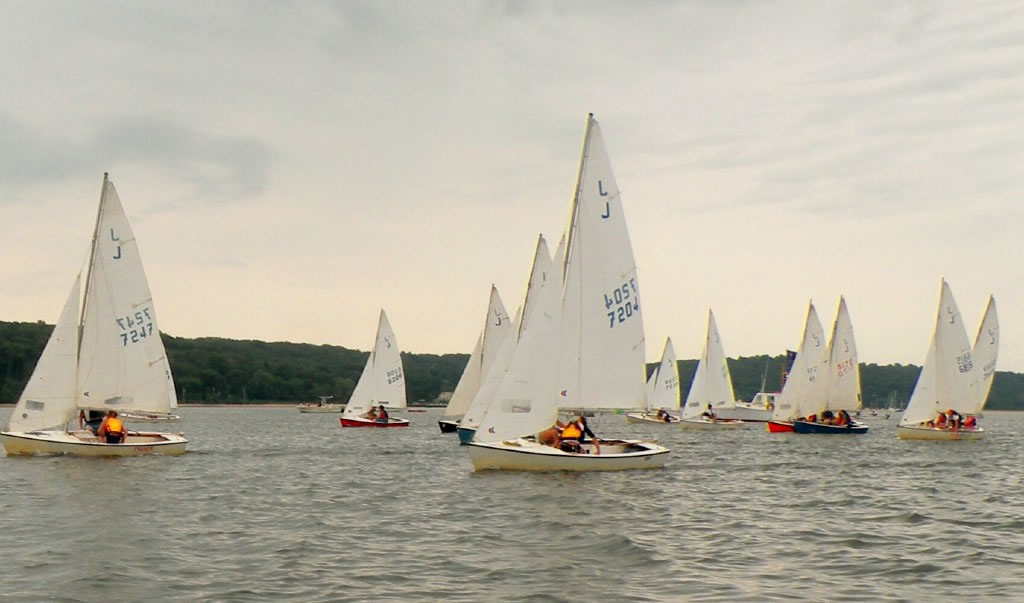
209 369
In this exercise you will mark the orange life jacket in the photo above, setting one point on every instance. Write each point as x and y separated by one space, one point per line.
114 426
571 432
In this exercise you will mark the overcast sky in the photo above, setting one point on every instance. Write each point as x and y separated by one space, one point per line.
290 168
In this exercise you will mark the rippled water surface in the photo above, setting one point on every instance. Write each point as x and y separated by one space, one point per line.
273 504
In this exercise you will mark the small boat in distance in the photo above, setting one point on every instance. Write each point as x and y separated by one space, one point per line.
662 391
954 376
496 327
108 356
711 388
320 407
803 383
382 383
145 417
832 404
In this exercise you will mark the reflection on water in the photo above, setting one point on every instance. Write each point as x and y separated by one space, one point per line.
274 504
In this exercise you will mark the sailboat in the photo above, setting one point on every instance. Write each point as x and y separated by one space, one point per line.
711 386
488 344
952 377
803 383
662 391
842 383
382 383
105 353
594 328
542 279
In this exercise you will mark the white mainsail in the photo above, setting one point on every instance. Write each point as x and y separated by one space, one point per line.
843 391
946 377
663 386
712 382
602 331
803 390
497 327
48 400
383 378
522 398
986 351
122 362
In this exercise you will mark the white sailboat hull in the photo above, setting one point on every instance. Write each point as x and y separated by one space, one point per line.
637 417
84 443
710 425
917 432
525 455
149 418
744 413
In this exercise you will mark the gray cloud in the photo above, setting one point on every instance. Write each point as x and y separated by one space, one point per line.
217 168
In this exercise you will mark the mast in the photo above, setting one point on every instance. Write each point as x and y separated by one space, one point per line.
529 284
92 261
576 195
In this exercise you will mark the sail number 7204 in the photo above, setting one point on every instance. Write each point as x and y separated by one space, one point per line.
622 303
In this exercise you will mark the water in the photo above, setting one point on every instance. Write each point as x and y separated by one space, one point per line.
274 504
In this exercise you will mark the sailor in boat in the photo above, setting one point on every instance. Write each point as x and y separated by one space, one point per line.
843 419
112 430
954 419
90 420
551 435
371 414
382 415
663 415
574 435
709 414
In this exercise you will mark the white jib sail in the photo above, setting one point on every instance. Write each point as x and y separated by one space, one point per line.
986 352
602 337
496 328
524 401
383 378
712 382
803 388
122 361
843 368
490 382
48 399
663 386
946 377
540 279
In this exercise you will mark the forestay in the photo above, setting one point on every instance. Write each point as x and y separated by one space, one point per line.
602 332
945 379
48 400
383 378
712 382
986 352
663 386
803 389
843 392
488 345
122 361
